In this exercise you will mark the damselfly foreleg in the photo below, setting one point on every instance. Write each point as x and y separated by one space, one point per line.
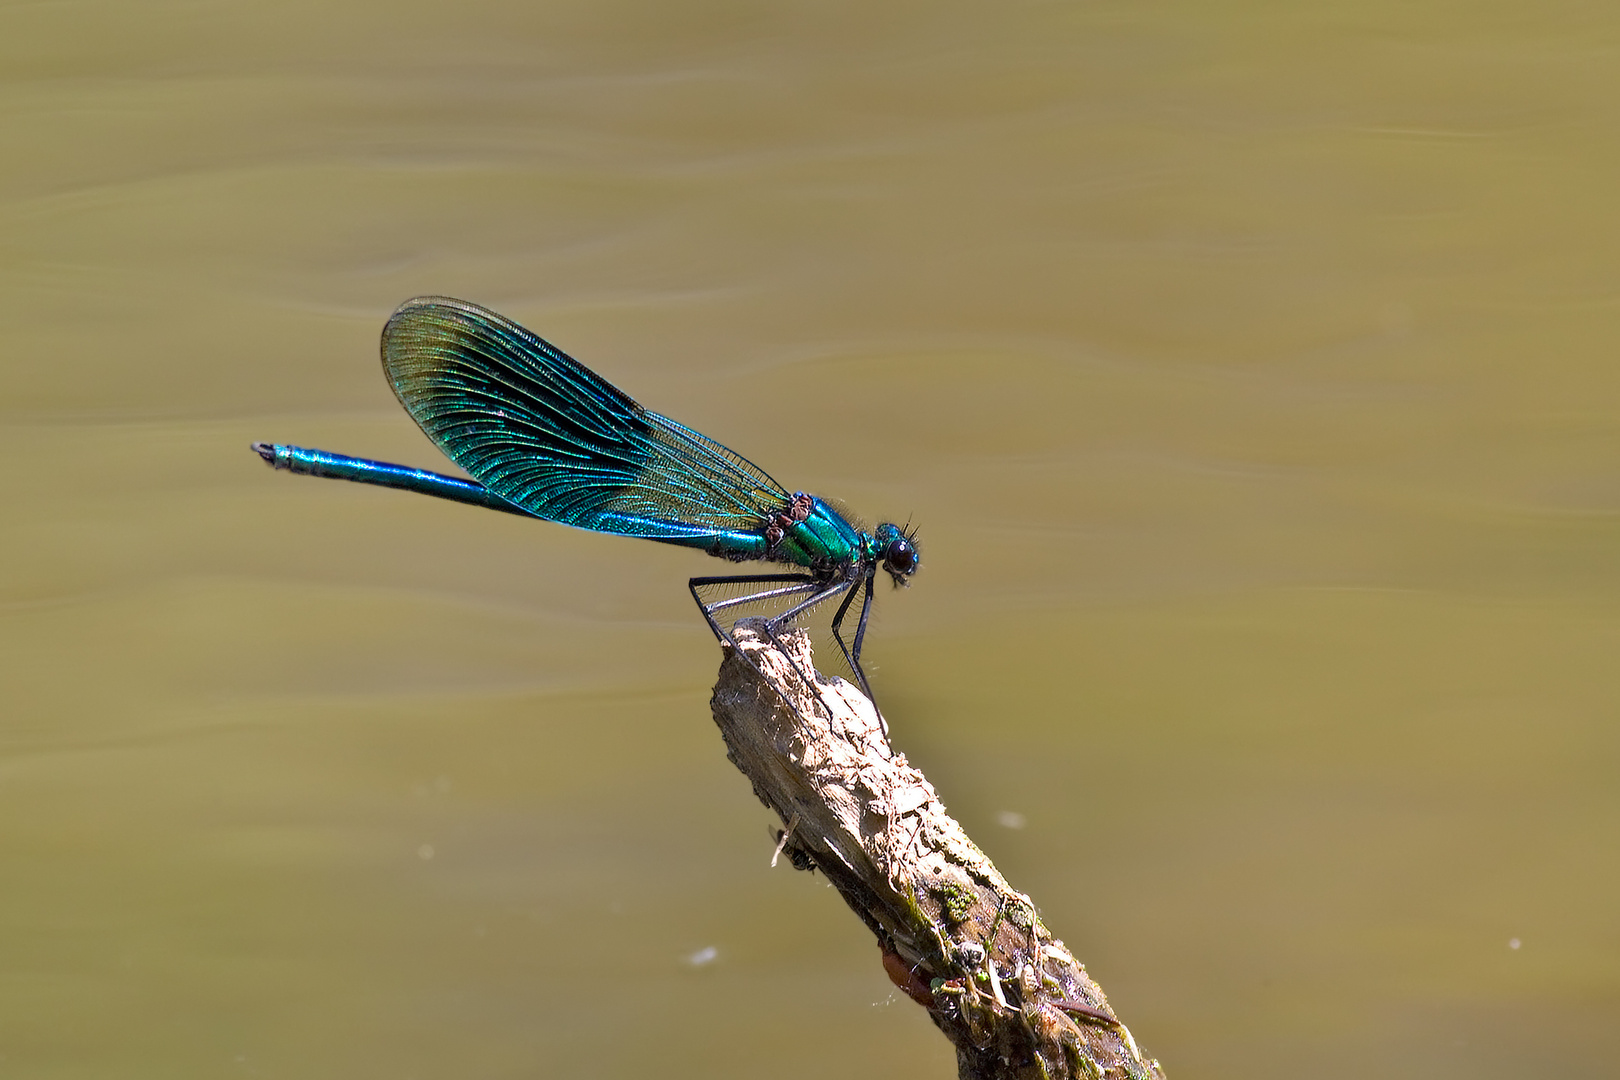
853 658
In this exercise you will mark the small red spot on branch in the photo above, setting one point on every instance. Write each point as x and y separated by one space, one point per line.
906 978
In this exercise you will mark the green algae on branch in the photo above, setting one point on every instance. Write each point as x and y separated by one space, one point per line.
956 901
953 935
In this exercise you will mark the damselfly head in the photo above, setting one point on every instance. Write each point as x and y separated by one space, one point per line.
897 550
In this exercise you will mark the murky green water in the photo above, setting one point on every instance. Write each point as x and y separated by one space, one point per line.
1250 371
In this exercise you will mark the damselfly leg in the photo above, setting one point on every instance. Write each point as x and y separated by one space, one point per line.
853 656
792 585
815 590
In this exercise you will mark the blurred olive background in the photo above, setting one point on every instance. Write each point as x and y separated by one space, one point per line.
1249 370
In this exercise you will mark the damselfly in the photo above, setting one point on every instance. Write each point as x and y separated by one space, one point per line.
543 436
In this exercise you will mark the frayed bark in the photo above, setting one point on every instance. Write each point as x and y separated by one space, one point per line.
954 935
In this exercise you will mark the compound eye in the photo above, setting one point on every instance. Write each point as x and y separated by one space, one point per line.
900 558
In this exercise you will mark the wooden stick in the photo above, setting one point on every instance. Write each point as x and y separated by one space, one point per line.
954 935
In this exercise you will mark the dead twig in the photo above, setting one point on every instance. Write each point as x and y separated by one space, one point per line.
954 935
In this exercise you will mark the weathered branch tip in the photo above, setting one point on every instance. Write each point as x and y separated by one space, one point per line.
954 935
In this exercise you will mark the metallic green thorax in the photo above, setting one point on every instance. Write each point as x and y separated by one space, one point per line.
805 532
821 541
